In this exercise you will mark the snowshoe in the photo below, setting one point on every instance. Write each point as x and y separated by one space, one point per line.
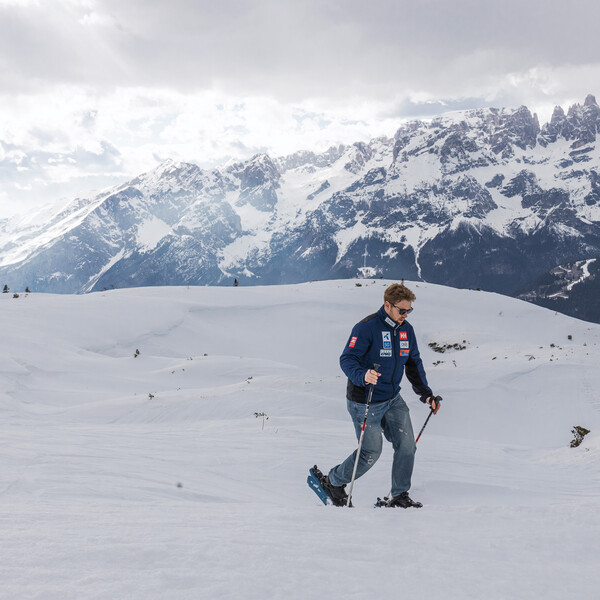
327 492
403 500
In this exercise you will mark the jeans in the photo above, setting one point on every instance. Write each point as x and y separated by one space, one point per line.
392 419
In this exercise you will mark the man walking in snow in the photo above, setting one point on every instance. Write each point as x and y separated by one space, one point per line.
388 339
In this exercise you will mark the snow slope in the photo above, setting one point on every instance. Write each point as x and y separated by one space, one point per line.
109 493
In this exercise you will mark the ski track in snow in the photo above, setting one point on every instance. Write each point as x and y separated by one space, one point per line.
156 476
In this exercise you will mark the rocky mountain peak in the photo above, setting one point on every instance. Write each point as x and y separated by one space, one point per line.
258 182
311 160
558 116
169 174
259 170
518 128
579 126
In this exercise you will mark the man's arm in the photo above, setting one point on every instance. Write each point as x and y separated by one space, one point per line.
415 372
352 358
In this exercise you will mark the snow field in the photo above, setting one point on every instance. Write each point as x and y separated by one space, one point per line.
107 492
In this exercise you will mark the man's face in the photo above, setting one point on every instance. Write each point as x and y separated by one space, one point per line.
393 310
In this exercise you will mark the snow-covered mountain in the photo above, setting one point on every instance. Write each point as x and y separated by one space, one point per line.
484 199
178 472
572 289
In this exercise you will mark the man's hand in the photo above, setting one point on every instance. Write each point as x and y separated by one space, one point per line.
435 403
371 377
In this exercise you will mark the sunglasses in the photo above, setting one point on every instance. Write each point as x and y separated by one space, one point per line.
403 311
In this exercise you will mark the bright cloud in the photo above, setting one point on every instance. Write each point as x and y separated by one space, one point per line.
94 91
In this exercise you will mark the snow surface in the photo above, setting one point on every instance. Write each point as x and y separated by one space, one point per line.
585 267
109 493
151 232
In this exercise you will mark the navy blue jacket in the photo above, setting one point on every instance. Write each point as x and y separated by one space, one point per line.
379 339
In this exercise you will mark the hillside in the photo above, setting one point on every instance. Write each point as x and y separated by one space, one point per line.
179 471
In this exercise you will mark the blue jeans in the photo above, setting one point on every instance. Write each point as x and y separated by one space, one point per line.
392 419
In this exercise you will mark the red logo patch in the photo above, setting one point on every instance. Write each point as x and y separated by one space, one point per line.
403 335
352 342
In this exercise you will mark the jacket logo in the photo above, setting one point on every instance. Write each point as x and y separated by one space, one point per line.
385 353
352 342
403 335
387 340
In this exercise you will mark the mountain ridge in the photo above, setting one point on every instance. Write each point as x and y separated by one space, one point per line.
482 198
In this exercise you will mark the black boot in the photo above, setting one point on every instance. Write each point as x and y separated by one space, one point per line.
403 500
336 493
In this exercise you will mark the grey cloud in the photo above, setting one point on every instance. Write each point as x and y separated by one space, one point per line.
295 49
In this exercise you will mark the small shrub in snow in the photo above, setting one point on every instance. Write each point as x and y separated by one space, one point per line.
15 295
441 348
264 417
579 433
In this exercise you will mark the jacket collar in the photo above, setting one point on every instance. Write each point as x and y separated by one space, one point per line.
387 319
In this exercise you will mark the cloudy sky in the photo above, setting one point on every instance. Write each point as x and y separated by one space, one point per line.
93 92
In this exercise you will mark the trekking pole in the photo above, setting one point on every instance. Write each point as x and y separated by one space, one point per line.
424 425
437 400
362 435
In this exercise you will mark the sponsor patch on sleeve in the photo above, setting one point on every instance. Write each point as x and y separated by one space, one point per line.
352 342
403 335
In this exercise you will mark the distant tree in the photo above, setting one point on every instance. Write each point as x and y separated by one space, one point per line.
27 290
5 290
236 282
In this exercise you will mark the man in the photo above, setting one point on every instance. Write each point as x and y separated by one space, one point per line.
388 339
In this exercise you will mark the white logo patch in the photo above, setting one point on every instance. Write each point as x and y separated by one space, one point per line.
387 339
385 353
